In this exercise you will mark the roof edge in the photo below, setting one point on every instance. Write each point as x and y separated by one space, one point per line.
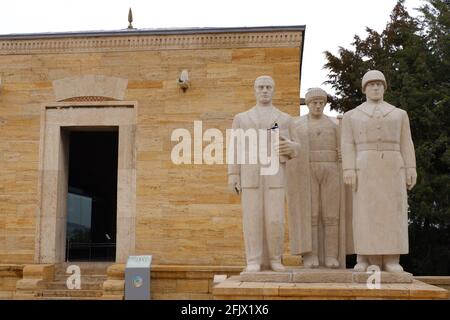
146 32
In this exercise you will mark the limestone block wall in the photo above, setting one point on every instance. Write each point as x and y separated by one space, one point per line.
183 213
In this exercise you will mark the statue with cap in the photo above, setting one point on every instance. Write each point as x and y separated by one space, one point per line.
379 164
315 190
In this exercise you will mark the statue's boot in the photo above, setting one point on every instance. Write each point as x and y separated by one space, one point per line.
253 268
391 263
331 246
277 266
362 263
311 259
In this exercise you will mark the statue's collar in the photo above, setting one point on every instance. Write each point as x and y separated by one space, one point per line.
253 114
385 108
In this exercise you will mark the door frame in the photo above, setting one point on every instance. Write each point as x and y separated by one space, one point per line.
51 215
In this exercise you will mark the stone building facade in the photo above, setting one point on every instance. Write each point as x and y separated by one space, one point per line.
52 84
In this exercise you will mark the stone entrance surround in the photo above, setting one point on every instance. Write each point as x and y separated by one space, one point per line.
57 119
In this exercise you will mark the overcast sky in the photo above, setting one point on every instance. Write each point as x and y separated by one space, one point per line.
329 24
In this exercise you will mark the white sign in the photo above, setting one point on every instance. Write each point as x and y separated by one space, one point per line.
139 262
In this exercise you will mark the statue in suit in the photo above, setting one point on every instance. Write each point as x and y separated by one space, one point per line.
379 163
262 195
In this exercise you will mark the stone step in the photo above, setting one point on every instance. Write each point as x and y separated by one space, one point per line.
66 298
85 267
70 293
84 272
85 285
87 278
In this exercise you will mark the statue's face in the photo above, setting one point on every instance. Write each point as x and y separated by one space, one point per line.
316 107
264 90
375 90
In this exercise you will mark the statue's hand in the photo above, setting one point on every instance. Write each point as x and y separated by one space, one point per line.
287 147
339 154
350 178
234 184
411 178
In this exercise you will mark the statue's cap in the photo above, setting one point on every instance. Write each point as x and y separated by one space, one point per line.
315 93
373 75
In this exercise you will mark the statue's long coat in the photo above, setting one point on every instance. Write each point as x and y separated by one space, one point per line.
379 147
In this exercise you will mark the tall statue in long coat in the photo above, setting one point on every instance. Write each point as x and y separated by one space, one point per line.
315 192
379 163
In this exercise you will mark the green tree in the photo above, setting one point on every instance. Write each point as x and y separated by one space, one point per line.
413 53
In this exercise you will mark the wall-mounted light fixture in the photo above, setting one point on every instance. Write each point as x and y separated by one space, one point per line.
183 81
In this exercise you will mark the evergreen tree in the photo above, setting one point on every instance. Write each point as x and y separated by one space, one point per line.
413 53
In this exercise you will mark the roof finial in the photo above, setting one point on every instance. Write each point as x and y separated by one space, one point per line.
130 19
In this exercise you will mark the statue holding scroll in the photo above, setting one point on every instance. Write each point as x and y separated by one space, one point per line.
262 195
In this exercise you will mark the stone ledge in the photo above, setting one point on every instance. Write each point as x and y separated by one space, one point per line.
113 297
39 271
30 285
117 271
302 275
435 280
234 289
197 268
11 267
113 285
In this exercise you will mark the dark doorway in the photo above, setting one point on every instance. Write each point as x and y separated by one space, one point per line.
92 195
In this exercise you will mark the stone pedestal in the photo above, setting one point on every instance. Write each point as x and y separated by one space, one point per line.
302 275
307 284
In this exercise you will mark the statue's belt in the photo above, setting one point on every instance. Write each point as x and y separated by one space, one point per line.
378 146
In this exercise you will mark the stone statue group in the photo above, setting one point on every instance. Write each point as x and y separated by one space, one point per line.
345 182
